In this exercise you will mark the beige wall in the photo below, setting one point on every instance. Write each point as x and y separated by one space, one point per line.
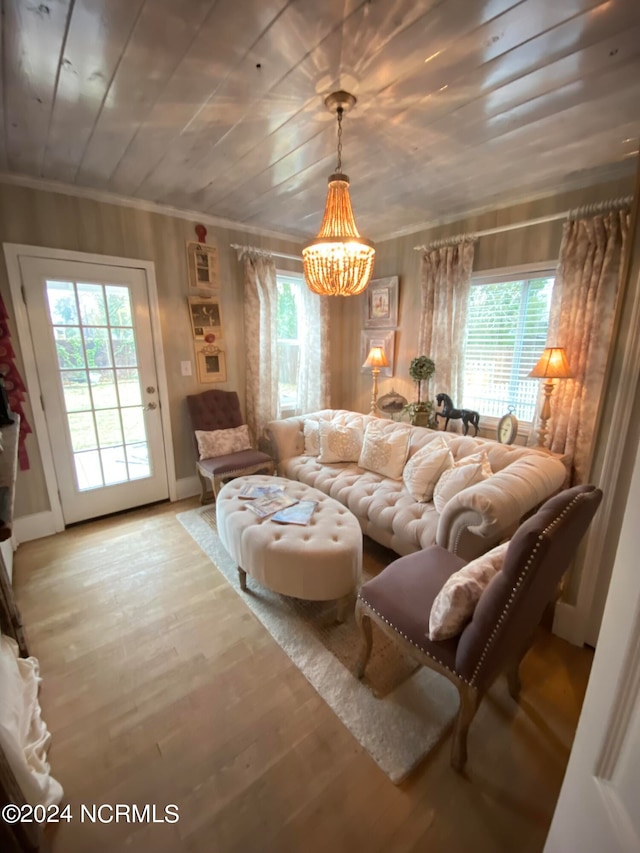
535 244
539 243
49 219
54 220
60 221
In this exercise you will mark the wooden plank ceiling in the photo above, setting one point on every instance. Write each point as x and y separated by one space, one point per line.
216 105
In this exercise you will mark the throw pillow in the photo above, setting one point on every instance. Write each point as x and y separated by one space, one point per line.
481 457
311 438
454 605
466 472
339 443
384 452
423 470
220 442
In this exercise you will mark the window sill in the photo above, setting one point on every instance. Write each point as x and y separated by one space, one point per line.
287 411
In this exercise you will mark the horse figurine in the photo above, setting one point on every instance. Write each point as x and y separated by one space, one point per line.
449 412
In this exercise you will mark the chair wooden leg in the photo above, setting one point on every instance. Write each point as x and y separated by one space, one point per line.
513 679
469 701
512 670
242 575
204 482
364 623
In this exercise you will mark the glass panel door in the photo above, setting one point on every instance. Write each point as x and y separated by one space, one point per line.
95 345
95 360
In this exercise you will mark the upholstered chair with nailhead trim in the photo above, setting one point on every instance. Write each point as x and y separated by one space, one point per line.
217 410
501 629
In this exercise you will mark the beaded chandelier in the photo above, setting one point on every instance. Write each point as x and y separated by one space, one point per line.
339 262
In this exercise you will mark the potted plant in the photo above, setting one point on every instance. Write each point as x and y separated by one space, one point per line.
421 370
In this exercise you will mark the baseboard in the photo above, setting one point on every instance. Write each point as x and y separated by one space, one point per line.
567 623
34 526
41 524
187 487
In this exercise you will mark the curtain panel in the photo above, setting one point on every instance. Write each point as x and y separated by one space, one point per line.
261 340
445 284
313 366
583 310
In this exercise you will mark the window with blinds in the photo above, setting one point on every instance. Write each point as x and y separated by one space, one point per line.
506 333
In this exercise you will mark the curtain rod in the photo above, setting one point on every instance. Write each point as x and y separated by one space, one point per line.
258 251
585 210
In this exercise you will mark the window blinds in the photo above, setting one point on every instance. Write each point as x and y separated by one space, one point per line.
506 332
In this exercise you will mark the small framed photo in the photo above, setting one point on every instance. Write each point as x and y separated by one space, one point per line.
211 364
206 319
384 339
204 271
381 305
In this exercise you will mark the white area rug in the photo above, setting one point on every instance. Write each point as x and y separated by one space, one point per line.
398 730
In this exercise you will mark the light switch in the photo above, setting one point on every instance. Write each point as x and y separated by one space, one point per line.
185 368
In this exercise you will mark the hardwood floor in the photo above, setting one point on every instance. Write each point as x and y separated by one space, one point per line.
161 687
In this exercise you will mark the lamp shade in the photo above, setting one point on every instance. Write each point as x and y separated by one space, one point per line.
376 358
339 262
552 364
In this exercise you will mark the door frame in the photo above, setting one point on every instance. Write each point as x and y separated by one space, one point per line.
13 252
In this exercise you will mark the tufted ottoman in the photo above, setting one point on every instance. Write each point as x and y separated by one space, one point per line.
319 561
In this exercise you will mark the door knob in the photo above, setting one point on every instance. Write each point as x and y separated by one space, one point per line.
151 389
150 406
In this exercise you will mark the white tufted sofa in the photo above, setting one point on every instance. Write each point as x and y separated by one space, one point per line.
471 522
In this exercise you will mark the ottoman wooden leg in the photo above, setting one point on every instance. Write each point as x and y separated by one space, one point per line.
243 579
343 607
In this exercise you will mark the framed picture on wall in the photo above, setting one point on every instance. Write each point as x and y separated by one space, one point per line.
206 319
211 364
381 303
384 339
202 261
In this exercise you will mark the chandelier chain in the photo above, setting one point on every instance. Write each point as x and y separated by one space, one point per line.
339 112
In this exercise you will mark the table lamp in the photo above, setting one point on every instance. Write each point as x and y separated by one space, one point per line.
552 365
375 360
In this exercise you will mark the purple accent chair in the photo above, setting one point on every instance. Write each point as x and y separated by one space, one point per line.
213 410
502 628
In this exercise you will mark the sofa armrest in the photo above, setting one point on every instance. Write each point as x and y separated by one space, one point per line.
484 514
285 437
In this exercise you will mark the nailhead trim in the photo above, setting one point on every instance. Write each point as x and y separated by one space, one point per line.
457 542
409 640
518 583
238 471
502 616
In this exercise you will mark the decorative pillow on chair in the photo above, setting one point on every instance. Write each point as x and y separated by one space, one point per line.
454 605
311 438
384 453
466 472
339 443
423 470
220 442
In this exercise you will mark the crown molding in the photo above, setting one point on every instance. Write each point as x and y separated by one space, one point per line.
106 197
